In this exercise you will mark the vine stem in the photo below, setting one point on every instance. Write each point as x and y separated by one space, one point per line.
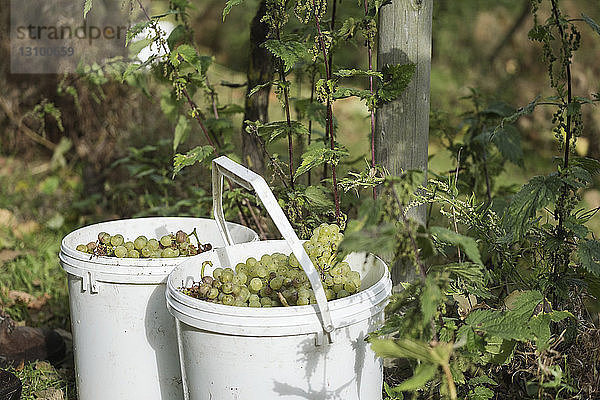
192 104
370 53
329 126
287 116
450 380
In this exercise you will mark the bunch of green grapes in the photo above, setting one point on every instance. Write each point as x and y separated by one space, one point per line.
168 246
278 280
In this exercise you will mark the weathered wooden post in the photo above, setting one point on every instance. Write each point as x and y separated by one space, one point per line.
402 126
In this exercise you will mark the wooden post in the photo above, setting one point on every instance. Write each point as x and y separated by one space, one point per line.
402 127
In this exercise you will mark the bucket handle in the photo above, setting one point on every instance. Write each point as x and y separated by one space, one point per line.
223 166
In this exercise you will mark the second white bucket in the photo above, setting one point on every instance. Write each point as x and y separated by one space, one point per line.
124 339
239 353
313 352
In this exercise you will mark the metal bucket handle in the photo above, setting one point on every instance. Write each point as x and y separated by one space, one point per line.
224 166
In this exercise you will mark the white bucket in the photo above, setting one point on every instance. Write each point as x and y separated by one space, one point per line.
314 352
124 339
243 353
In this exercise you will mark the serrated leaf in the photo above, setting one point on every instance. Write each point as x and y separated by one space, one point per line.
347 73
422 374
540 326
290 52
136 30
481 393
259 87
176 36
196 155
430 298
318 199
467 244
528 109
187 53
344 92
229 5
395 81
591 165
508 142
589 256
318 154
182 130
536 194
499 109
593 24
87 6
483 379
274 130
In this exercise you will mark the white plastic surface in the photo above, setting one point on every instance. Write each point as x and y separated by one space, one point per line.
124 338
223 166
234 353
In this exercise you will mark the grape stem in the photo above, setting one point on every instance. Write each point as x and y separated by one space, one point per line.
282 299
196 236
204 266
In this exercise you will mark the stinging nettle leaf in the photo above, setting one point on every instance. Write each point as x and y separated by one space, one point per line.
395 81
317 154
290 52
508 142
423 373
466 243
196 155
593 24
182 130
347 73
589 256
229 5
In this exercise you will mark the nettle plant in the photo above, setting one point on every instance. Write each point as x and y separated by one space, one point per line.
504 318
301 38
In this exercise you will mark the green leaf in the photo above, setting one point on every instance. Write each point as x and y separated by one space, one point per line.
481 393
395 81
528 109
176 36
318 199
422 374
467 244
229 5
538 193
290 52
259 87
403 348
188 53
430 298
589 256
378 240
182 130
87 6
318 154
274 130
136 30
392 393
591 165
196 155
511 324
508 142
347 73
483 379
540 326
593 24
343 92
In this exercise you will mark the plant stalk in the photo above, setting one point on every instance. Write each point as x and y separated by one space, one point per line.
370 53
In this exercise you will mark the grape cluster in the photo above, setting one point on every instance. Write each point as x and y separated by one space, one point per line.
278 280
169 246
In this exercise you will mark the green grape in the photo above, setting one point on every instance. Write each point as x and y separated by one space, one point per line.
220 296
254 304
82 247
266 259
261 271
140 242
338 279
133 254
276 282
330 294
342 293
329 281
227 287
104 238
337 287
168 253
236 290
241 267
153 244
345 267
250 262
217 284
117 240
217 272
227 275
254 297
146 251
303 301
255 285
240 303
120 251
350 287
166 240
176 252
265 301
240 278
244 293
228 300
156 253
129 246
